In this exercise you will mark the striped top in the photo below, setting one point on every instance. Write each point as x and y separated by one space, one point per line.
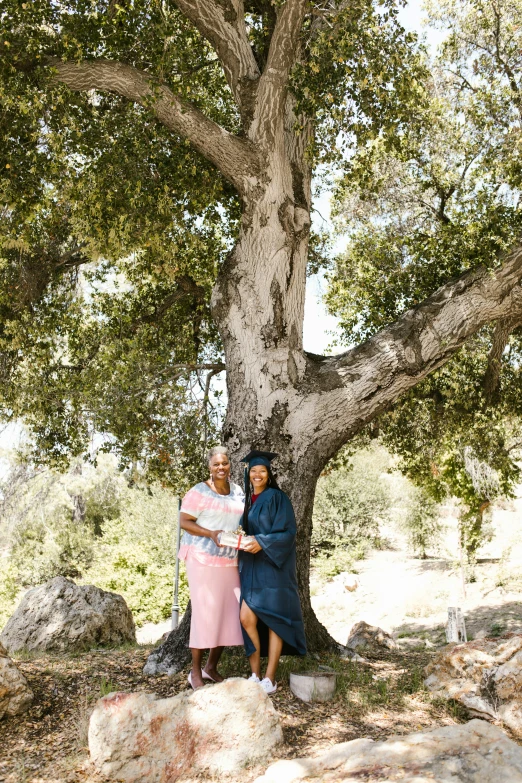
215 512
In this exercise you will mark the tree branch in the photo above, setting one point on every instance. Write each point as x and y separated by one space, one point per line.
282 56
223 25
345 392
503 329
234 157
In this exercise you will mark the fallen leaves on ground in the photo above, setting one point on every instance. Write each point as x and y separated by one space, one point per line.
48 744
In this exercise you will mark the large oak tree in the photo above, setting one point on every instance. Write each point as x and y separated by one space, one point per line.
177 143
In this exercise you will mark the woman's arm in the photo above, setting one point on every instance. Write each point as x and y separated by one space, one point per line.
253 547
190 524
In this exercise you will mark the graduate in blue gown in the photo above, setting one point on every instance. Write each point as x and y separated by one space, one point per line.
271 616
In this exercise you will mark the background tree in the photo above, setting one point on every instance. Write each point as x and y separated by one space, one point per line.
422 524
352 501
442 202
132 131
124 541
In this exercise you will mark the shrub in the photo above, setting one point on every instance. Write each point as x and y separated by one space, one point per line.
9 590
135 555
421 523
351 503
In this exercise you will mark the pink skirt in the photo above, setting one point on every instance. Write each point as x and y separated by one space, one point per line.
214 593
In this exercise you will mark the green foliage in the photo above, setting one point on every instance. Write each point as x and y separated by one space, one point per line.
451 445
443 201
109 244
135 556
45 540
421 524
114 228
350 504
106 687
330 562
9 589
362 79
93 527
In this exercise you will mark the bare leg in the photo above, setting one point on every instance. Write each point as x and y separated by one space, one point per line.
212 662
249 623
275 645
197 655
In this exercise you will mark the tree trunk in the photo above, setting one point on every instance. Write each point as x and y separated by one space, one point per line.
174 654
258 305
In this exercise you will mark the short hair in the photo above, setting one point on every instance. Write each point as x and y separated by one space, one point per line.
217 450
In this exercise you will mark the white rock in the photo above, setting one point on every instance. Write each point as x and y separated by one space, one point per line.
62 616
363 635
15 694
472 753
485 676
217 729
313 686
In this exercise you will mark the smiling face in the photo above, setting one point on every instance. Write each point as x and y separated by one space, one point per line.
219 467
258 478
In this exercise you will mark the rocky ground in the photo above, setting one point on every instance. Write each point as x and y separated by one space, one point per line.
49 743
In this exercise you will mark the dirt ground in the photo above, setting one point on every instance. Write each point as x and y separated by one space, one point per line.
48 744
409 597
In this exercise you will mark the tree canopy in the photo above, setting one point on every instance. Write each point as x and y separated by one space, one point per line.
115 221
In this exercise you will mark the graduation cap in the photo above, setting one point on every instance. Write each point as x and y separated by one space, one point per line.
256 457
259 458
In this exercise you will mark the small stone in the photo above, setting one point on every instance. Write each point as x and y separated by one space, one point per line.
61 616
218 729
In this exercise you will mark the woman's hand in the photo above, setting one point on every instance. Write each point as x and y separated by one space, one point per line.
214 535
253 547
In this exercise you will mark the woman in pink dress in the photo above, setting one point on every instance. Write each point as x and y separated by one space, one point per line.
212 570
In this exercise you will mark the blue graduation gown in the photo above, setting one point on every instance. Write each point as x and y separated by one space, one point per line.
268 578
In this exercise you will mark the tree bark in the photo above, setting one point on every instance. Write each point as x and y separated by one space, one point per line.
174 654
501 334
233 156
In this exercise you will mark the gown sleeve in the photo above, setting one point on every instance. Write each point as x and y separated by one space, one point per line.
279 542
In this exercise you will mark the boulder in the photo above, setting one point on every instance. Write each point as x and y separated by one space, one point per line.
60 616
485 676
475 752
216 729
15 694
363 636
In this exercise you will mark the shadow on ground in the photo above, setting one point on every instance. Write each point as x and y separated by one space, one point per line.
481 621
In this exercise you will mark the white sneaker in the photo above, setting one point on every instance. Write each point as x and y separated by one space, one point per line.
268 686
253 678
